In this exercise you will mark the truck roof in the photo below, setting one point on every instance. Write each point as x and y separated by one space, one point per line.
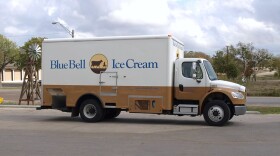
193 59
112 38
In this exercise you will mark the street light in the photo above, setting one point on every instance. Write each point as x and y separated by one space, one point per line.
65 28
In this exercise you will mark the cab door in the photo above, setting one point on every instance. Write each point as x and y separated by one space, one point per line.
190 80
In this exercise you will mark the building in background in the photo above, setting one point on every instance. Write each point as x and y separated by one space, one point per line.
11 76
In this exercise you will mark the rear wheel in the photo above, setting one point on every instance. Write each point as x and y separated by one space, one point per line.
216 113
91 111
112 113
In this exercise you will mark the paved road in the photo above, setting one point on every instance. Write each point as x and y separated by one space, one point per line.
264 101
50 133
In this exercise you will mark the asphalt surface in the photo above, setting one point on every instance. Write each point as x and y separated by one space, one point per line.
263 101
50 133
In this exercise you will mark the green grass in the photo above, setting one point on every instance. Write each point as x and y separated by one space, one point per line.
9 103
3 88
264 88
268 77
264 110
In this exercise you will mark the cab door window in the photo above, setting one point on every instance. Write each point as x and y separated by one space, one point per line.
187 69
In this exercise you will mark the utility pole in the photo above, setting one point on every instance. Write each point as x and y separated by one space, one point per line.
227 54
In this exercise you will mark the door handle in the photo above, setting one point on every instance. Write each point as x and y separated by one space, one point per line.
181 87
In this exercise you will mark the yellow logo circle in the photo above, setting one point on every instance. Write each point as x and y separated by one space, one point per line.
98 63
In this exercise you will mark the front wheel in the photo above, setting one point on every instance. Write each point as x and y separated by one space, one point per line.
231 115
216 113
91 111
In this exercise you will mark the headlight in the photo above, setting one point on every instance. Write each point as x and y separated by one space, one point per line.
237 95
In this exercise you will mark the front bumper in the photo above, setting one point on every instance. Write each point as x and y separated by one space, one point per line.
240 110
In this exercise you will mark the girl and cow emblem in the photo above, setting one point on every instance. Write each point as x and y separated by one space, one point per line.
98 63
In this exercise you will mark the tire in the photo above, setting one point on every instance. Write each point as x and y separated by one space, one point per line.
216 113
231 115
112 113
231 108
91 111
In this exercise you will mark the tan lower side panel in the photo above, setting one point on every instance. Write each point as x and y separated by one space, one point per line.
200 93
152 99
159 98
191 93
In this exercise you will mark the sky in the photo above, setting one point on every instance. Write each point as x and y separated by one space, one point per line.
202 25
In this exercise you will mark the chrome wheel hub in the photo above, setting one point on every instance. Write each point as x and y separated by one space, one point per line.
89 111
216 113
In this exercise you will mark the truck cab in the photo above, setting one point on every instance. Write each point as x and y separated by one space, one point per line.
198 91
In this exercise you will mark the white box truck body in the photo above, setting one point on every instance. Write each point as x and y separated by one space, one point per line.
99 77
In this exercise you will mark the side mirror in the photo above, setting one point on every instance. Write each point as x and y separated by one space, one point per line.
194 70
194 75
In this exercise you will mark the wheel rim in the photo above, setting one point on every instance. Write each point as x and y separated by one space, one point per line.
216 113
89 111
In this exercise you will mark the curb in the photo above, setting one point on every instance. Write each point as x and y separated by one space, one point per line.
253 112
19 106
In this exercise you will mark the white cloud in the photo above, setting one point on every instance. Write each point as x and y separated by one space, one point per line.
78 15
51 10
155 12
257 32
14 31
240 4
84 35
62 22
203 25
251 24
187 27
19 6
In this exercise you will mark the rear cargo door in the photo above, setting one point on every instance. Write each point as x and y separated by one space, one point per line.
108 84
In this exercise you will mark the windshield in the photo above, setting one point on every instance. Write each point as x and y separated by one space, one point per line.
210 71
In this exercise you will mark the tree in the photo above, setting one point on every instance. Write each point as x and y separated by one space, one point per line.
23 59
195 54
231 71
243 57
9 52
226 63
261 58
219 61
275 64
244 53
